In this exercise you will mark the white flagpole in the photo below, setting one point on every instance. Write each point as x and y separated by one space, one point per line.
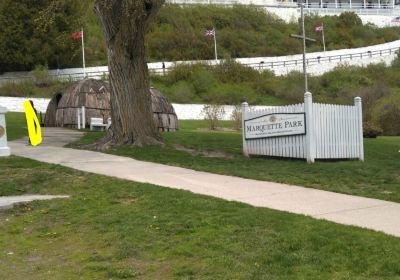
323 37
215 44
83 54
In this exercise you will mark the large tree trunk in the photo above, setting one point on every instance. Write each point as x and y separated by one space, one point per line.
124 24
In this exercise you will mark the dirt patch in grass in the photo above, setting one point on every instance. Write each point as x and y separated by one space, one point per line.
207 154
226 129
127 200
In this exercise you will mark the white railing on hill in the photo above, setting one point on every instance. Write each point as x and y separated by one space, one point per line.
323 59
319 63
358 10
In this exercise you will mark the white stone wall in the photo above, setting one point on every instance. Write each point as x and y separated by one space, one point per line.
183 111
16 104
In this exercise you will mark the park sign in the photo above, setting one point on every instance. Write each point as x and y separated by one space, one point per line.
275 125
310 130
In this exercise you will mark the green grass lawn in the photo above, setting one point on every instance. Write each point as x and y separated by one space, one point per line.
377 177
116 229
16 125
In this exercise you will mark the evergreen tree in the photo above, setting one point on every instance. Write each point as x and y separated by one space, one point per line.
36 33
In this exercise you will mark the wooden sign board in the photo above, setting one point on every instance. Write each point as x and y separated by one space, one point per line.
275 125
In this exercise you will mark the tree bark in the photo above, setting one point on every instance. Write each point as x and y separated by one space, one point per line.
124 24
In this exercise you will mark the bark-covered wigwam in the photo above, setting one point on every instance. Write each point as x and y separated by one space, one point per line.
94 95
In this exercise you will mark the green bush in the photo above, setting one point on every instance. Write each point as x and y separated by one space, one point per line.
30 89
203 80
183 92
231 94
41 76
371 130
396 61
227 83
231 71
386 113
348 20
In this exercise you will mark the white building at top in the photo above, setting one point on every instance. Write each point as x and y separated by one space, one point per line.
379 12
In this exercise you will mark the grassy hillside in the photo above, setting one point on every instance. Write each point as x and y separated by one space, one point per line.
177 33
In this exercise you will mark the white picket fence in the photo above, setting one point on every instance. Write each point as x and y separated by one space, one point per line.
332 132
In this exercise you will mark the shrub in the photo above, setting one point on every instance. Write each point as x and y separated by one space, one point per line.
213 114
203 80
371 130
232 71
30 89
182 92
291 87
41 76
230 94
396 60
348 20
181 72
386 113
369 96
236 117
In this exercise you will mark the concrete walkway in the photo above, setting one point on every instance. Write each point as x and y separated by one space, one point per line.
340 208
8 201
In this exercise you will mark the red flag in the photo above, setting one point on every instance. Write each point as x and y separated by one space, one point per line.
76 35
319 28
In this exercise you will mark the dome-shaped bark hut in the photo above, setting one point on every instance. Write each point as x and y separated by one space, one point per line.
163 113
94 95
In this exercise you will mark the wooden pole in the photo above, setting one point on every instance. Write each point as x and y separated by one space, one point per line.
304 48
215 44
308 109
323 38
83 54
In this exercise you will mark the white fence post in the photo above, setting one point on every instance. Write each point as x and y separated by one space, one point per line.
83 118
78 117
4 149
360 137
310 141
245 107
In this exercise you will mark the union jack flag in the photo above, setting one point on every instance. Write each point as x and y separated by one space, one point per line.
396 19
209 33
319 28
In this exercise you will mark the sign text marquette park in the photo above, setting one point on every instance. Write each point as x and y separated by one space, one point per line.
275 125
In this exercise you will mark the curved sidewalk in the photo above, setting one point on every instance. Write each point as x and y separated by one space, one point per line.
340 208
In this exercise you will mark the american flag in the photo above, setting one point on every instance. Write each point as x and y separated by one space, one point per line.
396 19
209 33
319 28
